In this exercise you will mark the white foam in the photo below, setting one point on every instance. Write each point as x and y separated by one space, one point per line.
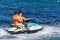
2 32
48 31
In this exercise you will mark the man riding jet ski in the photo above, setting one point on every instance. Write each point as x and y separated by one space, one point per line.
18 19
19 25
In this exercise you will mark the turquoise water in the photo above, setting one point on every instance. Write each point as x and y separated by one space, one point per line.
46 12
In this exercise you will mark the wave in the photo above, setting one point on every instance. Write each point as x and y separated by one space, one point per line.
2 32
49 32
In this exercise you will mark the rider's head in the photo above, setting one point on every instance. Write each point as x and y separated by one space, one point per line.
15 13
20 13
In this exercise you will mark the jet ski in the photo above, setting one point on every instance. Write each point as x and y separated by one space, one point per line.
34 27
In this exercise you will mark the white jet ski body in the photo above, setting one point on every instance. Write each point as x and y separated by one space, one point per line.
33 28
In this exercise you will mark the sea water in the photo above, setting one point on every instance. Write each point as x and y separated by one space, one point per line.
46 12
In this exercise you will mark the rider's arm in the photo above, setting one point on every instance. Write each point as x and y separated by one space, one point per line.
26 18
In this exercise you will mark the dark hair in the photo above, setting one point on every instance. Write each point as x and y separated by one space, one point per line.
19 12
15 12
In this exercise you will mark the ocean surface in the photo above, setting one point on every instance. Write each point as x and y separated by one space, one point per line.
46 12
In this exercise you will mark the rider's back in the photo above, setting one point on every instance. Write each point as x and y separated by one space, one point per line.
15 19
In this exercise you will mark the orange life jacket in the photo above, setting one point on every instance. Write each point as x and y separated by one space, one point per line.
15 19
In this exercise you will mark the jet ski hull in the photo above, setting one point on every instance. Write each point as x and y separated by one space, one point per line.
33 30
